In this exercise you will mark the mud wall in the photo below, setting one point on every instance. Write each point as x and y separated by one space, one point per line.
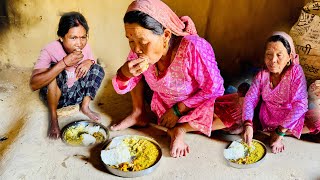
236 29
32 24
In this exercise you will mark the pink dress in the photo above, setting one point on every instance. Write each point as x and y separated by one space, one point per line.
193 78
284 105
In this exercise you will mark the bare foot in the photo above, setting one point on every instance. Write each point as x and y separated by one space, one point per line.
178 147
54 132
136 118
276 143
91 114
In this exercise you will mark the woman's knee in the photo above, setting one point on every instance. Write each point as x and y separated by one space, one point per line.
99 69
53 85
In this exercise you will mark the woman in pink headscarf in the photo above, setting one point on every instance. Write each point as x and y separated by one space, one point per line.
283 91
178 66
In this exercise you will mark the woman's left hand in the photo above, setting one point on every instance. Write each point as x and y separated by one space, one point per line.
169 119
83 68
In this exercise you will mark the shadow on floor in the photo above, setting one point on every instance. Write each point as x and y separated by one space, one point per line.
12 135
112 104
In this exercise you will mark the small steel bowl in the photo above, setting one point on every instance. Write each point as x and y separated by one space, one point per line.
131 174
84 123
247 166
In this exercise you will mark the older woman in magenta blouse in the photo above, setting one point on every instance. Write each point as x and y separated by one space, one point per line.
178 66
283 90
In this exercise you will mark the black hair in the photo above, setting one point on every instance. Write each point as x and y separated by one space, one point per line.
144 20
276 38
243 89
70 20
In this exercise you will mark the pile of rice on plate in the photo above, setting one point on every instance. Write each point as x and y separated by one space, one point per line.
130 153
240 153
84 133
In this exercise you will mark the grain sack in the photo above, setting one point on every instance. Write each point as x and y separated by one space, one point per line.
306 36
311 67
306 31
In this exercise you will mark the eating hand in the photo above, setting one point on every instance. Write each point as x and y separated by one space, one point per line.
73 58
135 67
248 134
169 119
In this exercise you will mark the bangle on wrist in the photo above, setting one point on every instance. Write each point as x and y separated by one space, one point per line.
121 76
65 62
248 123
280 133
176 110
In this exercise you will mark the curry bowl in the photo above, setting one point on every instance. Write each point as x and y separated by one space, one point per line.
84 133
239 155
131 155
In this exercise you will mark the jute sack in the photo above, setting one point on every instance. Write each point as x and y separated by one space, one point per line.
311 67
306 36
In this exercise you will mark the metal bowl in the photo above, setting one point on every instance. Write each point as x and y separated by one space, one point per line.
84 123
131 174
247 166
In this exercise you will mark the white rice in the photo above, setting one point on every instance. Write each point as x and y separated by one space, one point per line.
87 139
116 156
235 151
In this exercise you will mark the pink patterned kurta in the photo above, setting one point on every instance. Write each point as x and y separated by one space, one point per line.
284 105
192 78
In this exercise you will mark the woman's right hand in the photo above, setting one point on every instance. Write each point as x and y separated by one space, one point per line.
73 58
135 67
248 134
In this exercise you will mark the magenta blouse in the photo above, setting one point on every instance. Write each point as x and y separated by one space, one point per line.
193 78
285 104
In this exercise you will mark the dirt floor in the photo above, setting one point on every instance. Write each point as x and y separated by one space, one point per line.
29 154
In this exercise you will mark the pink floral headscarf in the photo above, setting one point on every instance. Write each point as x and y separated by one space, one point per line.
163 14
295 59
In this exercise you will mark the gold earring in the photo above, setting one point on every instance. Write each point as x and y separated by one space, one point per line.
289 62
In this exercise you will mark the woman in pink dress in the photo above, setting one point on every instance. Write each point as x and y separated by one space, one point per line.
283 91
178 66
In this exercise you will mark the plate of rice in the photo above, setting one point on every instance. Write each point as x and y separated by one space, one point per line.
239 155
84 133
131 155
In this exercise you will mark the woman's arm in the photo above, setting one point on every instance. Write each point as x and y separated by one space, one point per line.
252 97
42 77
129 74
250 102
